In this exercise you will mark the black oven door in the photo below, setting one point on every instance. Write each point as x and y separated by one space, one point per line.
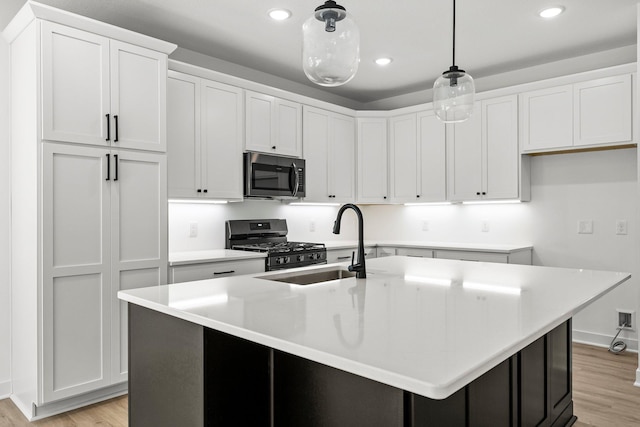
273 176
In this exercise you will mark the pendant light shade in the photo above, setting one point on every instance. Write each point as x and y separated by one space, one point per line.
454 91
330 45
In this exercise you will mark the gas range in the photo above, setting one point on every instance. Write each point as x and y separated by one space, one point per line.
270 236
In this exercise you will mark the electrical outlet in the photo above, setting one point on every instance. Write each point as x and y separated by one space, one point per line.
485 226
425 225
193 229
621 227
312 225
625 319
585 226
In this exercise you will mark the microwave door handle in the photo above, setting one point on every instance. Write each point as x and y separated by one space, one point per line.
297 180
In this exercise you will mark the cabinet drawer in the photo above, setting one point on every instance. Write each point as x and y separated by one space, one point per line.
211 270
472 256
344 255
415 252
385 251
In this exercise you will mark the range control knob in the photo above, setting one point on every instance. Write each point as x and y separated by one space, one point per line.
300 257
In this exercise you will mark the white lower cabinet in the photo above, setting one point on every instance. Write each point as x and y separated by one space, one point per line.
214 270
104 219
345 254
415 252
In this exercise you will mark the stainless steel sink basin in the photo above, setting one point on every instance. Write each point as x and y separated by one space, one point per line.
311 277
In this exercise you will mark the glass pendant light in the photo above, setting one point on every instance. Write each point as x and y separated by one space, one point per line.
453 91
330 45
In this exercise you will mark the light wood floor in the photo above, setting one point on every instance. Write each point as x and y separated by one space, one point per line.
603 396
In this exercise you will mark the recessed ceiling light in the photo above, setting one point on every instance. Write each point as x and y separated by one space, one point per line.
551 12
279 14
384 61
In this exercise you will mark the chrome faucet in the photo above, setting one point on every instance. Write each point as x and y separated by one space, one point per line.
359 267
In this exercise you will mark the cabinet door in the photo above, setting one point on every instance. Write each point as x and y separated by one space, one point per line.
316 153
138 236
372 160
432 158
602 111
75 85
403 159
221 140
500 148
464 158
342 158
546 118
183 135
288 128
76 270
138 97
214 270
260 132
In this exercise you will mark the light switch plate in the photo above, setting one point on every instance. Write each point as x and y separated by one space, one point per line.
585 226
621 227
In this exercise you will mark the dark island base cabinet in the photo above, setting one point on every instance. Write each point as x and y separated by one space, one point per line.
184 374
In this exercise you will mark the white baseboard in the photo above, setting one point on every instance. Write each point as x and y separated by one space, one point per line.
637 383
34 413
5 389
600 340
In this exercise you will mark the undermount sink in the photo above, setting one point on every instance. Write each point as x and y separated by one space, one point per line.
311 277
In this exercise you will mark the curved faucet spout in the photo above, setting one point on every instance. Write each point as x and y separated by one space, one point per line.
359 267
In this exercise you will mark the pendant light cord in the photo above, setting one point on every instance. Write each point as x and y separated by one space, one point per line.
454 34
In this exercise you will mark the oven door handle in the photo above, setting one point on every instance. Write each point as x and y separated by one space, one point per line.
296 182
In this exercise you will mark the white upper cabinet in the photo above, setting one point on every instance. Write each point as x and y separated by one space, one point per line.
372 160
99 91
483 157
417 158
273 125
204 147
547 118
602 112
329 151
592 113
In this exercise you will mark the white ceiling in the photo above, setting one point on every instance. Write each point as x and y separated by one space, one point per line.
492 35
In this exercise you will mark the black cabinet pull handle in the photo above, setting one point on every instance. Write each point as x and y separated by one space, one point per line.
477 193
273 147
484 193
199 190
116 119
204 191
344 257
417 196
384 197
217 273
115 159
108 166
108 128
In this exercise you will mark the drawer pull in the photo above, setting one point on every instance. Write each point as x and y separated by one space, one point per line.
217 273
416 256
344 257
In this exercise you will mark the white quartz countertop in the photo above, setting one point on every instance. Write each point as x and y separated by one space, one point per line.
458 246
429 326
214 255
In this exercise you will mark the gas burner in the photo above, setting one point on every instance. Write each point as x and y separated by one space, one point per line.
270 236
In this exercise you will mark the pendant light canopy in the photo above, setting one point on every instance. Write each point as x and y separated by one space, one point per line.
454 91
330 45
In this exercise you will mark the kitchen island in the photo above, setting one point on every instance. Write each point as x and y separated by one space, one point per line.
418 342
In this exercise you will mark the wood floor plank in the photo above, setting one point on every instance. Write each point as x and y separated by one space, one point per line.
603 396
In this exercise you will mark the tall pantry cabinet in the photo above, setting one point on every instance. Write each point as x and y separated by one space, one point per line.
89 200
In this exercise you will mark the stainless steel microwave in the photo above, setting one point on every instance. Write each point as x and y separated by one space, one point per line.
275 177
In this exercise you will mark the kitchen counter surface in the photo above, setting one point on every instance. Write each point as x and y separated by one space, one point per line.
474 247
214 255
429 326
